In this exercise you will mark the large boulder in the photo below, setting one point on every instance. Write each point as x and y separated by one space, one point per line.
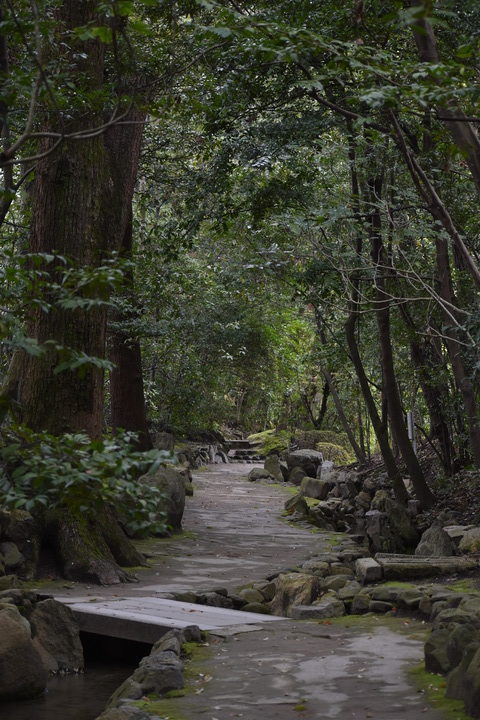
57 636
22 673
314 488
470 541
293 589
388 525
273 467
308 460
435 542
259 474
171 483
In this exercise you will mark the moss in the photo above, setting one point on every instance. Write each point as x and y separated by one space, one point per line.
270 441
399 584
336 453
370 621
465 586
433 688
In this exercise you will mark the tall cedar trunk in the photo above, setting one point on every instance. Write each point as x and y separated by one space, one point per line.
67 219
395 410
126 379
73 214
128 410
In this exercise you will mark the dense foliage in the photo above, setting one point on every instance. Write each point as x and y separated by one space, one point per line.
297 238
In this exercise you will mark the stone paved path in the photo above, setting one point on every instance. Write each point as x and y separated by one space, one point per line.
276 671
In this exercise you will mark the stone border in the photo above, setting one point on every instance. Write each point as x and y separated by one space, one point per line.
158 673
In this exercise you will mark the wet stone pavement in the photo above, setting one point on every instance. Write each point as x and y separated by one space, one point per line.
234 534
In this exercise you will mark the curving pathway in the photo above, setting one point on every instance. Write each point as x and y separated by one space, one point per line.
234 534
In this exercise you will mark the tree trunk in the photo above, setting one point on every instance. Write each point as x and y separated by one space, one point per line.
463 382
380 429
390 386
126 379
74 215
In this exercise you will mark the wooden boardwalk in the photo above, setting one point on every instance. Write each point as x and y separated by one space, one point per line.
146 619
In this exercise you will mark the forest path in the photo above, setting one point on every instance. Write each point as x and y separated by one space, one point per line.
351 669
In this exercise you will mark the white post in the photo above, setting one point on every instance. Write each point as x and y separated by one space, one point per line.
411 430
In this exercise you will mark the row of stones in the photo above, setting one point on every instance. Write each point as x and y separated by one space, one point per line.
158 673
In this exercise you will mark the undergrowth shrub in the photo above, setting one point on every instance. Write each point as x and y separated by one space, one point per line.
39 470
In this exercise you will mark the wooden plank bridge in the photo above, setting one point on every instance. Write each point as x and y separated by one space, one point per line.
146 619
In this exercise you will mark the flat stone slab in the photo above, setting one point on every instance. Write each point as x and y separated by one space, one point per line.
146 619
403 567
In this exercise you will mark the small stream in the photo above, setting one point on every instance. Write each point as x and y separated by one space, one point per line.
83 696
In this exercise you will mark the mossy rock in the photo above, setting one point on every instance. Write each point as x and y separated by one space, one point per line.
336 453
271 441
309 439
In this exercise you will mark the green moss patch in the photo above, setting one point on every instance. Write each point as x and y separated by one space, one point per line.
270 441
371 621
433 688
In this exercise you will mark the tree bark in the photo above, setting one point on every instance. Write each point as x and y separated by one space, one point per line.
392 394
126 379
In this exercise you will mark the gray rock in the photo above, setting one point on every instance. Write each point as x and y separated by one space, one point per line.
125 712
172 485
273 467
314 488
460 637
308 460
389 527
348 592
250 595
214 600
22 673
472 686
470 541
57 636
11 555
25 532
456 679
296 475
434 542
293 589
367 570
266 589
298 505
316 567
257 607
378 606
333 583
259 474
436 658
328 606
360 604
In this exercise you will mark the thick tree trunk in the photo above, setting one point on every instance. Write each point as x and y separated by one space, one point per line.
74 215
126 379
66 219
